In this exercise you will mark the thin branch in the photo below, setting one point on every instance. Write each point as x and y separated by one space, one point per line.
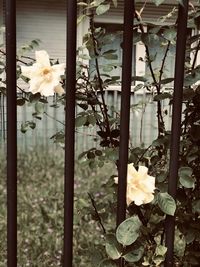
163 63
195 55
145 151
53 118
105 113
17 59
97 213
137 16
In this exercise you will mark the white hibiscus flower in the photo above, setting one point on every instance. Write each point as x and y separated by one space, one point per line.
44 78
140 185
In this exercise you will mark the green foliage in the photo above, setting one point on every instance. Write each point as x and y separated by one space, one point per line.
128 231
166 203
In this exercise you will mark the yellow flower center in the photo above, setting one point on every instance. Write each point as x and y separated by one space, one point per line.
47 73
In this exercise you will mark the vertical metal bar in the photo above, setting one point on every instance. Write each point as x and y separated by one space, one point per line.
11 133
176 125
129 7
69 132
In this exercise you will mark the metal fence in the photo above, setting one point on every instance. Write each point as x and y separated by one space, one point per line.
70 126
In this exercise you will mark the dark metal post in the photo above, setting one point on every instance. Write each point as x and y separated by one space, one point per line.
69 132
176 125
129 9
11 133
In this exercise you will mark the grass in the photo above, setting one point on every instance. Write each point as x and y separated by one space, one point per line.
40 211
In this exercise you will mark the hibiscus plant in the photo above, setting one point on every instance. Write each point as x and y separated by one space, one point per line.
140 239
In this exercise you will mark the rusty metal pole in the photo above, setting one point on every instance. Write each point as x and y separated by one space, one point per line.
11 133
70 132
129 9
176 125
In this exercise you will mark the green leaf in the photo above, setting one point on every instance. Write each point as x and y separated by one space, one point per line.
187 182
39 107
112 154
135 255
80 121
149 39
158 260
107 68
167 80
139 78
26 125
102 9
91 119
162 176
80 18
113 248
110 56
170 34
160 250
179 244
186 179
110 51
166 203
128 231
20 101
34 97
96 2
90 155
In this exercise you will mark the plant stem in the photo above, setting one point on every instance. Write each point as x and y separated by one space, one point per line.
157 85
105 110
97 213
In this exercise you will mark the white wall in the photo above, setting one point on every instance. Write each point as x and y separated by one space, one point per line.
44 20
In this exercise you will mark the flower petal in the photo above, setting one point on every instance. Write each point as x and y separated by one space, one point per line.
35 84
131 172
42 58
28 71
116 180
59 69
59 90
142 170
47 88
148 198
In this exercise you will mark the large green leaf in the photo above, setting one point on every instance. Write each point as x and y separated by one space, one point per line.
113 248
80 121
128 231
179 244
135 255
170 33
166 203
186 179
